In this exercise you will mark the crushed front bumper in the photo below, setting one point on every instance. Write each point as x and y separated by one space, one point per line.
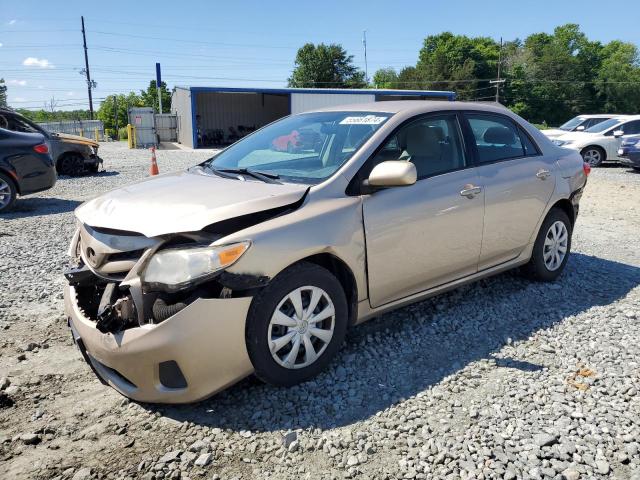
198 351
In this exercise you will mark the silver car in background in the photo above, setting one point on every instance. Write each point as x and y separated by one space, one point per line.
259 259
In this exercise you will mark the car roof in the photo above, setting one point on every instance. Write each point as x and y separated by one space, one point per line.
599 115
413 106
626 117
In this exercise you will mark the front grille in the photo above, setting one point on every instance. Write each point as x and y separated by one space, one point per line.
111 253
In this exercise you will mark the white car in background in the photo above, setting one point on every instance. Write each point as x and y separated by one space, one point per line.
577 124
601 142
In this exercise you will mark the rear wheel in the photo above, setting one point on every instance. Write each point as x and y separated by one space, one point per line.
72 165
551 248
296 325
594 156
8 193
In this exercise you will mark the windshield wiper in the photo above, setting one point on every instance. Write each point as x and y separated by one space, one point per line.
219 173
264 176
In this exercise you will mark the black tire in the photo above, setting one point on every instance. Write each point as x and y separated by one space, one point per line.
537 269
262 308
591 159
72 165
8 187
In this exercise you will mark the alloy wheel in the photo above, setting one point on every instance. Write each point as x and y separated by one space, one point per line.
555 245
301 327
5 194
593 157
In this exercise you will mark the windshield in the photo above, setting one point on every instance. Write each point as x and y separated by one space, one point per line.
571 124
601 127
306 148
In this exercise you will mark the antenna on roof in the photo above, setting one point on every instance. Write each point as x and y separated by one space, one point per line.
364 44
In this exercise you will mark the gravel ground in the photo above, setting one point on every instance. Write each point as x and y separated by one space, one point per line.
500 379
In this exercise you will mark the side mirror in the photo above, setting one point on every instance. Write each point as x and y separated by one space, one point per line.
618 133
580 128
393 173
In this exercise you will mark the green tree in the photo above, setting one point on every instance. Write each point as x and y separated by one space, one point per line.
385 78
107 110
618 81
3 93
43 115
549 77
150 96
325 66
457 62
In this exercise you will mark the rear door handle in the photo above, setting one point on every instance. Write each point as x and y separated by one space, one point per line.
543 174
470 191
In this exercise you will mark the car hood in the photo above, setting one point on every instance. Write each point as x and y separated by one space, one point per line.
554 132
577 136
183 202
65 137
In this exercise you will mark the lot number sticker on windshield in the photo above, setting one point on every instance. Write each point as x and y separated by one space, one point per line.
366 120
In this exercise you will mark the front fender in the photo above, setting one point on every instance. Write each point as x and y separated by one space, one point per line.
329 225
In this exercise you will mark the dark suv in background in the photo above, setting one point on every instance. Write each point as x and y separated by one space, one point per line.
72 154
26 166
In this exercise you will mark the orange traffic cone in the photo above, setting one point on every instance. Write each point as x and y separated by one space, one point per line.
154 164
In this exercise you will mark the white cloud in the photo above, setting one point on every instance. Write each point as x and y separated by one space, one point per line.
20 83
69 94
12 22
0 45
37 62
20 99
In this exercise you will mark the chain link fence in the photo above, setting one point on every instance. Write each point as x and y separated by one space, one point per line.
83 128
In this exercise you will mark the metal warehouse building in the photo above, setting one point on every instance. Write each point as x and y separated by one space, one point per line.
214 116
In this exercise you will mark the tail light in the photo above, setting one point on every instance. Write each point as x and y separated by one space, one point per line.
42 148
586 168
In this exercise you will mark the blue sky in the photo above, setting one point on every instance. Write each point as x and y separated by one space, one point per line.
241 43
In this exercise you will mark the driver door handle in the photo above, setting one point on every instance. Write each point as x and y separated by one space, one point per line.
543 174
470 191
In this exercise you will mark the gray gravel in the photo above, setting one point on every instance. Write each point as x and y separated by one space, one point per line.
501 379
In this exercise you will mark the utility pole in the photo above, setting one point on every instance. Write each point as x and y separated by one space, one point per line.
86 69
115 109
499 81
366 69
158 89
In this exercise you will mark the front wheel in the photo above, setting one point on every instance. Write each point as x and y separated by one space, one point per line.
594 156
551 248
72 165
296 325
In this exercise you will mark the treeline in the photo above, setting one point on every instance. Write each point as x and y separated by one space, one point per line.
55 116
548 77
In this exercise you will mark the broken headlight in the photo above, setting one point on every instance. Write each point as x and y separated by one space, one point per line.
176 268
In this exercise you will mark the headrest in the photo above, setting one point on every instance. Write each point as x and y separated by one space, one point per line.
499 135
439 133
422 141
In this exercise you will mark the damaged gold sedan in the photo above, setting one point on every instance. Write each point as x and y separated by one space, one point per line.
259 259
